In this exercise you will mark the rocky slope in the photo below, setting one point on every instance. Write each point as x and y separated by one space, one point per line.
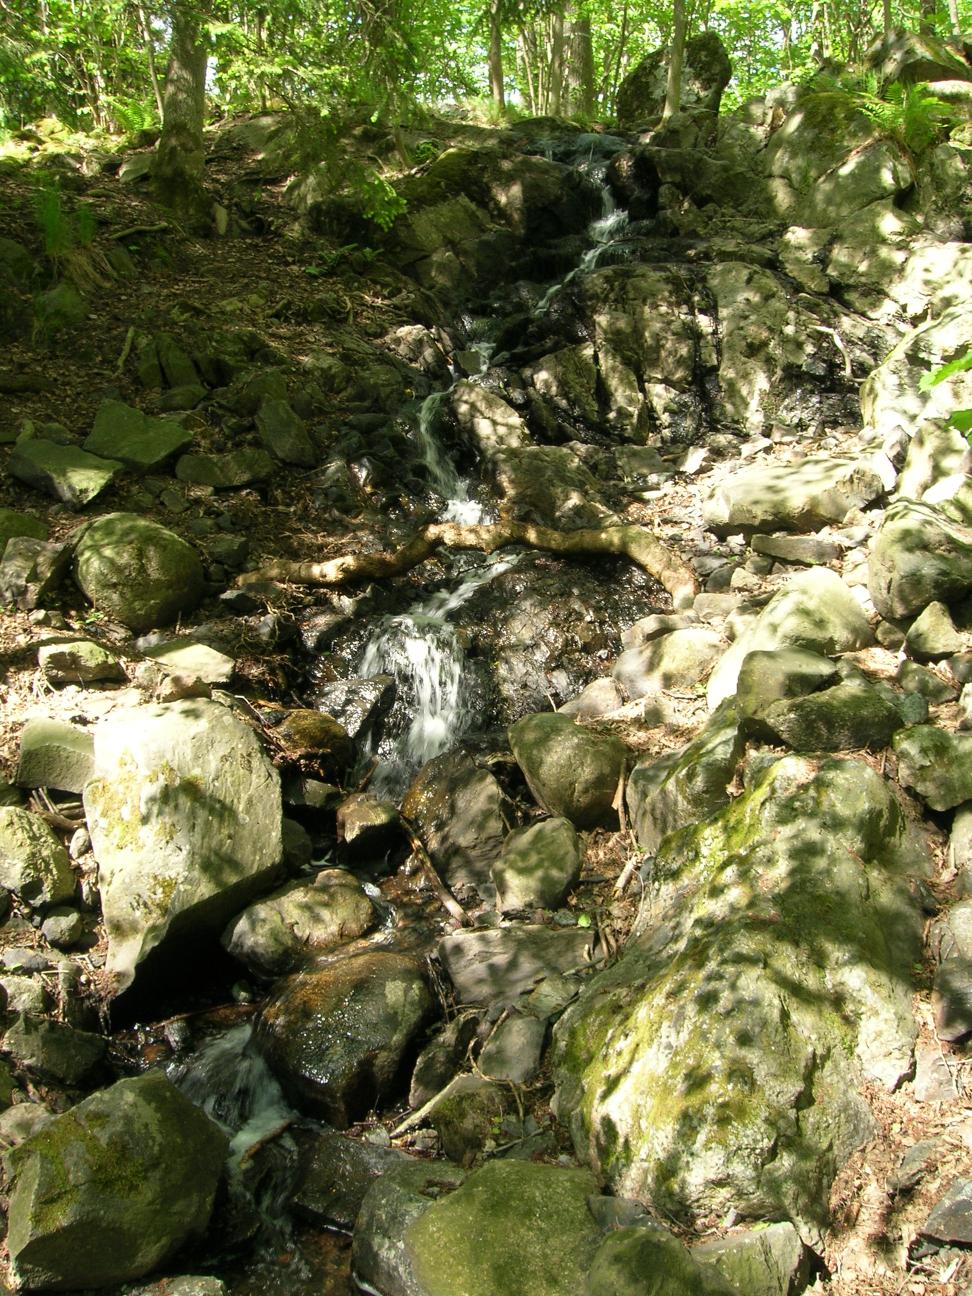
575 938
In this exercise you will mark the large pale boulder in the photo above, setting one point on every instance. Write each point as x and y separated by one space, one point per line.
705 74
184 812
717 1065
802 496
137 571
112 1188
921 554
815 610
572 771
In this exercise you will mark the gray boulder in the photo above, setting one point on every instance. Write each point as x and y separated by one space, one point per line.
67 473
54 754
571 771
80 661
135 439
497 965
113 1188
184 812
766 677
706 73
952 996
337 1037
920 554
227 471
847 717
802 496
335 1173
677 660
802 881
932 635
815 610
760 1262
462 814
33 863
938 765
302 919
537 866
636 1260
13 524
53 1049
137 571
284 435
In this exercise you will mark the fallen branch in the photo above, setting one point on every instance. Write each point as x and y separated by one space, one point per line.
445 896
636 543
140 229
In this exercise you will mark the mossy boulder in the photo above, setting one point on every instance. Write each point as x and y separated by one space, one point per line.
716 1066
650 1261
705 74
572 771
112 1188
338 1036
184 812
538 865
137 440
936 764
920 555
137 571
33 863
13 524
512 1227
851 715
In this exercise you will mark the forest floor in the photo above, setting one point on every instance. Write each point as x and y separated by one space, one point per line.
266 283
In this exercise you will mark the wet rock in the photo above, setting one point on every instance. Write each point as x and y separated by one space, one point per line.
932 635
135 439
33 863
800 496
360 705
229 471
368 828
81 661
513 1050
300 920
54 754
847 717
938 765
185 1285
62 471
951 1217
678 660
802 880
315 737
815 610
137 571
284 435
952 994
184 813
919 555
113 1188
571 771
686 785
499 964
769 1261
637 1259
467 1117
190 658
53 1049
462 814
334 1174
537 866
338 1037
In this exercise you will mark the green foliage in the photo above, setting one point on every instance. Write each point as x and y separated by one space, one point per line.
62 231
382 204
960 418
908 114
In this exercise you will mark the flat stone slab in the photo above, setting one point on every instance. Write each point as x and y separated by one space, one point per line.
802 496
80 661
951 1219
226 471
501 963
65 472
13 524
55 754
137 440
186 657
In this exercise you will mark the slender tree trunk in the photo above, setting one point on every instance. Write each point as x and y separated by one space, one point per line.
673 91
555 96
178 172
887 19
496 87
612 90
146 27
953 18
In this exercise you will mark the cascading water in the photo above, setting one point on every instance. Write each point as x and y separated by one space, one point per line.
606 232
421 649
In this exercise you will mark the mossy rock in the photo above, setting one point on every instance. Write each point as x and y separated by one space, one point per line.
571 771
648 1261
717 1064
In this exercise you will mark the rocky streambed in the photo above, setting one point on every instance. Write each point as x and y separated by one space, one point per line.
531 932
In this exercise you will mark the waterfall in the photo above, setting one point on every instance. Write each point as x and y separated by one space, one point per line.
421 649
605 232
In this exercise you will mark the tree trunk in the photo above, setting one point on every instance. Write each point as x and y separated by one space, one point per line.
146 26
555 96
953 19
673 91
496 88
580 69
888 21
178 172
636 543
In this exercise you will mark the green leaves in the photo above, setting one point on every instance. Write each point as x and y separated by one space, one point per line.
960 418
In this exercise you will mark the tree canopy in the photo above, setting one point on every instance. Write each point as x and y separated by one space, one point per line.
101 64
